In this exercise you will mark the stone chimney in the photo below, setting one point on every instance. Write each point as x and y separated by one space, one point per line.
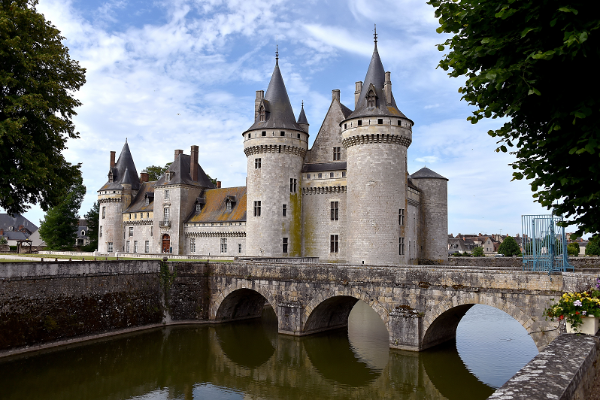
1 232
335 94
260 94
177 153
194 163
387 88
357 93
144 177
218 184
112 159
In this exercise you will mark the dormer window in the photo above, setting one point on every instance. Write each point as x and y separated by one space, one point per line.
229 207
198 207
147 201
371 99
262 114
229 203
110 176
169 176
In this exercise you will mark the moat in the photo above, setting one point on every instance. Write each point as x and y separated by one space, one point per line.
249 359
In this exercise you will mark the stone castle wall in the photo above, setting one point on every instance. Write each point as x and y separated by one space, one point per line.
434 227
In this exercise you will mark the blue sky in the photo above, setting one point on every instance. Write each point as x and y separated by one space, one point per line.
174 73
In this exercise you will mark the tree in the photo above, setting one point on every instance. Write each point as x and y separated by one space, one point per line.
37 81
155 172
3 240
527 61
478 252
59 226
509 247
593 246
92 217
573 249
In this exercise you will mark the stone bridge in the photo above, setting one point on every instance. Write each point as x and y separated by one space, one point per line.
420 306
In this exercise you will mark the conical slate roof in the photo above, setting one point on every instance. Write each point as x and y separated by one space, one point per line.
124 172
426 173
302 117
376 77
277 103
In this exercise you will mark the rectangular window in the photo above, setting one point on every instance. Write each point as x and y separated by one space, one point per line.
293 185
130 231
320 175
127 246
257 208
166 195
147 246
264 133
399 123
135 246
334 210
282 133
223 245
103 212
110 247
298 136
249 135
285 245
257 163
334 244
307 176
336 154
100 232
151 231
345 126
331 174
360 122
401 216
193 245
166 214
401 246
285 210
239 248
380 121
343 174
228 206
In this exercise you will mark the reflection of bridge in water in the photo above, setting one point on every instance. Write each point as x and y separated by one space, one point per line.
248 357
420 306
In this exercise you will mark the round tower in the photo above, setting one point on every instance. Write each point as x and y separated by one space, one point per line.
433 240
275 146
376 137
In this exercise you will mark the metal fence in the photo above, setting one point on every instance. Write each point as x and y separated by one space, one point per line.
544 244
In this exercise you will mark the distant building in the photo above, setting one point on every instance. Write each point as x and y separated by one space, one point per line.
15 228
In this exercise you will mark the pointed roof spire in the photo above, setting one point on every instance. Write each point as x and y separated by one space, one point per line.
280 114
375 78
277 54
302 117
124 171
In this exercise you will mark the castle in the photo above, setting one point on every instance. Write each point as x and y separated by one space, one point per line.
349 198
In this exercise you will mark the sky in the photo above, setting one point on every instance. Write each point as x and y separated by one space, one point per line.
169 74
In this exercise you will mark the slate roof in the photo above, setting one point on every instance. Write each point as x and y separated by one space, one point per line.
277 103
346 111
302 117
376 77
139 202
181 174
124 172
14 235
16 221
215 208
320 167
426 173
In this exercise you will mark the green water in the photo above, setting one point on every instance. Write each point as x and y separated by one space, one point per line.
249 360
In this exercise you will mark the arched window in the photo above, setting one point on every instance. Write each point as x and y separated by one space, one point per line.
263 116
371 99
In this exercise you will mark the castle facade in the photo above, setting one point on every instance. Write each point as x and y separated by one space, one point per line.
349 198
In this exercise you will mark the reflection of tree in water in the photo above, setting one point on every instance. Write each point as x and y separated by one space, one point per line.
249 343
450 376
331 354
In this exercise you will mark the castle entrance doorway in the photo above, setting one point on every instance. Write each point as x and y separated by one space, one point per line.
166 243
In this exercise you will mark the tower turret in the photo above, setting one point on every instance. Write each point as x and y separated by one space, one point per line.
302 120
376 137
275 146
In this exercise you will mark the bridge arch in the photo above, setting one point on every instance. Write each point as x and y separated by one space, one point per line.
327 311
237 302
440 323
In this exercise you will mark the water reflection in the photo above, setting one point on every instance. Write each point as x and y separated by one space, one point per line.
243 360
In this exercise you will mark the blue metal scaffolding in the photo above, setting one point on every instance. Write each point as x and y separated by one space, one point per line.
544 244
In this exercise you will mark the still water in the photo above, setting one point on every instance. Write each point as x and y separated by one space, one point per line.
249 360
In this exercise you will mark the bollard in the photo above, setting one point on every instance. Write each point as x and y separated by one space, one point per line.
56 259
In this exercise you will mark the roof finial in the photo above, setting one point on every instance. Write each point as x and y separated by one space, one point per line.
375 35
277 55
125 140
302 103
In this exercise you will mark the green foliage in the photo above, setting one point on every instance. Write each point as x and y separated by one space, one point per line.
37 81
527 61
59 226
3 240
478 252
509 247
573 249
593 246
573 306
92 217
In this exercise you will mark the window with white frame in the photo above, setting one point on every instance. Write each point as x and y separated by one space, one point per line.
147 246
193 245
130 231
109 246
239 247
166 213
285 245
103 212
257 163
127 246
223 245
334 244
401 246
401 216
257 208
166 195
135 249
334 210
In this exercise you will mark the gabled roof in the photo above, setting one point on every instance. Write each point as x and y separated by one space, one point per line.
426 173
215 207
16 221
124 172
139 202
280 114
375 77
181 174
